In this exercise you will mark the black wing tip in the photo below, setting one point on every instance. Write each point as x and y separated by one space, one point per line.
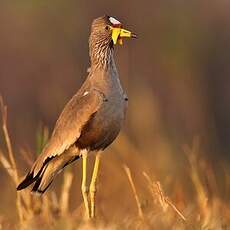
37 187
29 179
20 187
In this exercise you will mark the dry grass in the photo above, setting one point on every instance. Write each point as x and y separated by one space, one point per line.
128 172
164 201
205 208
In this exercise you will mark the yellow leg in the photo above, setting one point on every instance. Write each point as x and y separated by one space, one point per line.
92 187
84 188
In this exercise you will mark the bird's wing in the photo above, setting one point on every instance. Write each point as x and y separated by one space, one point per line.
68 127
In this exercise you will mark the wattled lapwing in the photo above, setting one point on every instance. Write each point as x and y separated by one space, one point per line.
91 120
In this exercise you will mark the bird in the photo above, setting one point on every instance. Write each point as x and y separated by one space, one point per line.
91 120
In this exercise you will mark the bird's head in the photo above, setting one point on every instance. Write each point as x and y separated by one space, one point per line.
106 31
109 28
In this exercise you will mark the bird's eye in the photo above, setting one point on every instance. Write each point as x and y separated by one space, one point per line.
107 28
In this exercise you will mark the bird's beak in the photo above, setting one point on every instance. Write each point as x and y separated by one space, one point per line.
119 33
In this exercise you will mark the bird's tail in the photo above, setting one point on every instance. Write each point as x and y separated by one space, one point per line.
45 176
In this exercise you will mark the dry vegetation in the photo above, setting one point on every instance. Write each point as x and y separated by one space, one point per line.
168 169
206 206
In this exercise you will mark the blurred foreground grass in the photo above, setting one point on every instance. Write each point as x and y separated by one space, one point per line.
130 193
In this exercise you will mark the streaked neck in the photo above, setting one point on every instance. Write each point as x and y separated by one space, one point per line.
101 52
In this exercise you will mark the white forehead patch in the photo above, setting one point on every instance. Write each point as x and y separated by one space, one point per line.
114 21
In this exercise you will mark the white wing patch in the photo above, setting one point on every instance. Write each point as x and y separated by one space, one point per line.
85 93
114 21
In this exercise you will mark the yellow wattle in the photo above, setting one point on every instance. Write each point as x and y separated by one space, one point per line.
115 35
118 34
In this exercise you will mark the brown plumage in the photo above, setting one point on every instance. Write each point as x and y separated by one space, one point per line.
91 120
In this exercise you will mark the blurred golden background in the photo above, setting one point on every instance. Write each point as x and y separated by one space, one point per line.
176 75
